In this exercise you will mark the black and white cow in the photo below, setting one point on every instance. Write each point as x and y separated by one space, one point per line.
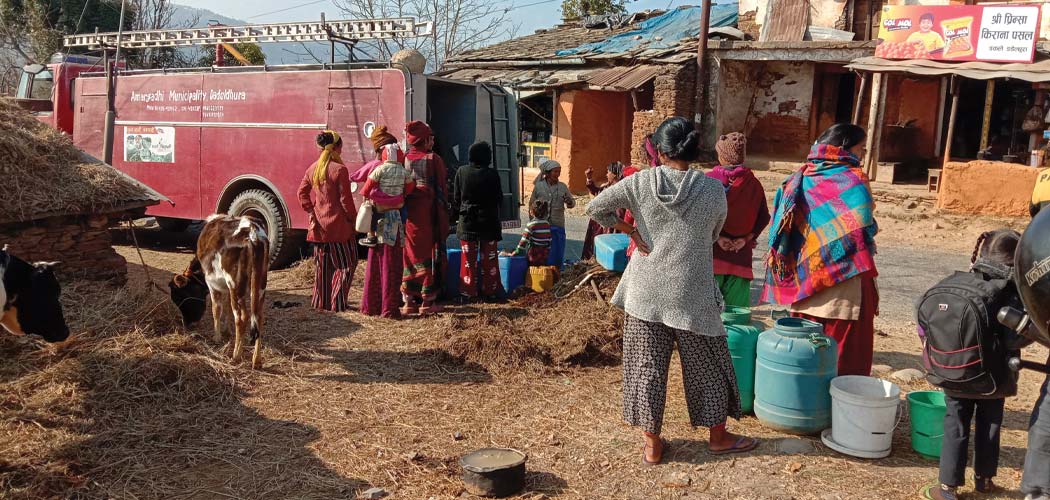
30 294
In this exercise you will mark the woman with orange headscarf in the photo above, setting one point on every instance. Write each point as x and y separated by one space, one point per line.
382 293
325 194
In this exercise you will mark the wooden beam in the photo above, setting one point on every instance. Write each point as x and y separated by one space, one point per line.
951 122
876 110
1036 137
986 124
940 115
860 97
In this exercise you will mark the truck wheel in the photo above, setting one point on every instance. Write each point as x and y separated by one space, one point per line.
173 225
285 242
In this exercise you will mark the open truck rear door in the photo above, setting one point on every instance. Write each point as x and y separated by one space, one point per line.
502 123
461 113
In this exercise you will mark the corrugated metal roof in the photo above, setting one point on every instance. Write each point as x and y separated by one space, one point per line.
1039 71
624 77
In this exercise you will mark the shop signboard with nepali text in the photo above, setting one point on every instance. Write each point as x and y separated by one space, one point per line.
994 33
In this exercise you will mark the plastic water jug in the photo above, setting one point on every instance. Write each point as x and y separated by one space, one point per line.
455 256
541 278
794 368
512 272
610 250
743 341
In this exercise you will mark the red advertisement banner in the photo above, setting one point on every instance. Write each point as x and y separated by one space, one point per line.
994 33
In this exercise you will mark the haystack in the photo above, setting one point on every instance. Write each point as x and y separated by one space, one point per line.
59 202
567 327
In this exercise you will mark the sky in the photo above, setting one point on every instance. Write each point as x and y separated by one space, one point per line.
262 11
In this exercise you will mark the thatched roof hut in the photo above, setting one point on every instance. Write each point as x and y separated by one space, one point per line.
58 202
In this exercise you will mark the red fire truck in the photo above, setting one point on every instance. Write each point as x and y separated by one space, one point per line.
238 139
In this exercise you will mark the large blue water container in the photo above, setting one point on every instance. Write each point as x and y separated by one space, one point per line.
512 272
455 260
795 365
610 250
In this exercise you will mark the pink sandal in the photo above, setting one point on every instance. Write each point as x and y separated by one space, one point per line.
431 308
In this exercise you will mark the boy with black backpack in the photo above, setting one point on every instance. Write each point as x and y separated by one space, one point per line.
965 351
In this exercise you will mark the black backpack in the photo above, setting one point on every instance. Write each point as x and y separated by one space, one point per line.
963 348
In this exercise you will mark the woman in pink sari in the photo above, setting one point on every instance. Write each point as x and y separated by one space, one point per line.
385 265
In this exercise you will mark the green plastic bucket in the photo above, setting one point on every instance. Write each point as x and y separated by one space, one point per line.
735 315
743 341
927 422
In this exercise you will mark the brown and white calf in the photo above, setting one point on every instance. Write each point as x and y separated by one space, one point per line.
233 254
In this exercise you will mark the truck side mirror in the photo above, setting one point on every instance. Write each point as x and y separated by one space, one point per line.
34 69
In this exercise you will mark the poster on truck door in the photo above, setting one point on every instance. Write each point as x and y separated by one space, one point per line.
999 33
149 144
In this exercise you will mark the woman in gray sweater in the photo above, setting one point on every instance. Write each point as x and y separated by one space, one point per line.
669 293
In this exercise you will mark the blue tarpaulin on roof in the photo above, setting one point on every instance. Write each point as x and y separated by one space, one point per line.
668 28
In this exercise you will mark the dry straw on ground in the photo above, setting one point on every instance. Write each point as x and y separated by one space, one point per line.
46 175
536 331
71 409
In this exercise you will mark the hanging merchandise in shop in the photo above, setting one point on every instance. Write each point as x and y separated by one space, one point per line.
1001 33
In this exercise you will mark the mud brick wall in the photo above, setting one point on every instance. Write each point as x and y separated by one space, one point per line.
986 188
674 94
82 244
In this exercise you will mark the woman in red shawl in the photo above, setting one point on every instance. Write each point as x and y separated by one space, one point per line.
653 159
426 227
748 216
613 173
326 196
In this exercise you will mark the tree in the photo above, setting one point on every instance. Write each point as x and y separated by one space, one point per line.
459 25
579 8
33 29
156 15
251 51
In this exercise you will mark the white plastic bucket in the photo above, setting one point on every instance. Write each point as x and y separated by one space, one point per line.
864 414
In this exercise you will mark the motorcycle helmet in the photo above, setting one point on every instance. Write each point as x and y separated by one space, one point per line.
1032 276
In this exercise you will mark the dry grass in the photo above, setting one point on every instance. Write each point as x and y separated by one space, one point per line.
46 174
136 407
536 331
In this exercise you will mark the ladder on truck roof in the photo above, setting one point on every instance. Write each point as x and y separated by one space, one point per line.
318 31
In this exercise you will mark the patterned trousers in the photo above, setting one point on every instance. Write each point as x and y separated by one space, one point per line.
383 280
711 393
335 264
483 275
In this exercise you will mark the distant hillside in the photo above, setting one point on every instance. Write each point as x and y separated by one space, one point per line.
276 53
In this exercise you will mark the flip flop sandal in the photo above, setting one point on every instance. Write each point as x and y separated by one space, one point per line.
665 445
736 448
927 492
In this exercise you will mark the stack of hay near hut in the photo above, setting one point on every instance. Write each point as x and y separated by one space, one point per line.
58 202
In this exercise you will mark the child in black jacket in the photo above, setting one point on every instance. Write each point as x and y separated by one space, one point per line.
994 258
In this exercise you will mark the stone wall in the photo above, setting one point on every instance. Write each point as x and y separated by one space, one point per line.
986 188
674 94
82 244
770 102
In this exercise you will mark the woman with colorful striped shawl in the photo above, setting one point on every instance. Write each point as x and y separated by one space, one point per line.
822 246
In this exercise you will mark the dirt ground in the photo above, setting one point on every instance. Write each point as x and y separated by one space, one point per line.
345 403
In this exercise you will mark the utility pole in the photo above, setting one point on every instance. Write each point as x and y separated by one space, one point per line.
701 61
111 109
